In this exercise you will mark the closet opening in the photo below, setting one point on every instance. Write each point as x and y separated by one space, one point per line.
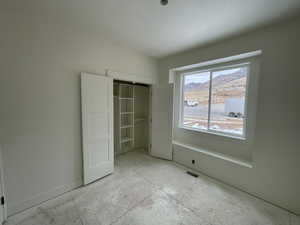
132 107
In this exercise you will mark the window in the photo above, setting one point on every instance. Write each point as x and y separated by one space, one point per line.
215 100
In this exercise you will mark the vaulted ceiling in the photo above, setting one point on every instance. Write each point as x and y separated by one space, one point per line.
163 30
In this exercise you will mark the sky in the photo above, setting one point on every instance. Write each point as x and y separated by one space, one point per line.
204 76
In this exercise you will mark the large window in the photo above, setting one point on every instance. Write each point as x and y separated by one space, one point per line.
215 100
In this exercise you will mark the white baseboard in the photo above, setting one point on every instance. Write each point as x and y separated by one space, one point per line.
17 207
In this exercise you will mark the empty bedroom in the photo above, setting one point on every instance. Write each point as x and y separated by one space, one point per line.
149 112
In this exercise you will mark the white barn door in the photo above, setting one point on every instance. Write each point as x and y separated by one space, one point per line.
97 126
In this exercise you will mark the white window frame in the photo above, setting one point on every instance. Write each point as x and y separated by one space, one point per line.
208 130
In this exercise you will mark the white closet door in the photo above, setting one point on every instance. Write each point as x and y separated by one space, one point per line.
1 206
162 121
97 126
2 214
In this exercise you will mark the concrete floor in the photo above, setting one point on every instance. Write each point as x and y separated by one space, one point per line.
144 190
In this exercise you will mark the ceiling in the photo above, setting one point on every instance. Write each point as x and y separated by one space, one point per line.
158 30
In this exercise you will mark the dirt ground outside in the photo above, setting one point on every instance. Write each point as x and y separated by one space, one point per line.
197 117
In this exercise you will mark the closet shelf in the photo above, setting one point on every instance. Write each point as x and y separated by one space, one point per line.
126 140
126 112
127 126
125 98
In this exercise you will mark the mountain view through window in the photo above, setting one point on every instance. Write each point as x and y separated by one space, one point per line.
215 100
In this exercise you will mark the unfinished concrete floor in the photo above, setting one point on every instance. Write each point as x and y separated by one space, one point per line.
144 190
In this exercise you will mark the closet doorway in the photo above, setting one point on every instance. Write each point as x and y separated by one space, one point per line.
132 117
116 118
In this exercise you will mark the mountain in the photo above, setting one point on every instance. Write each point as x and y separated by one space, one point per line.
224 86
217 81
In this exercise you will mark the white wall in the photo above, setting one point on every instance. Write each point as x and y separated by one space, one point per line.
40 63
275 151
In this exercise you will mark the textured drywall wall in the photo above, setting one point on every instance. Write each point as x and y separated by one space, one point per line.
275 150
40 63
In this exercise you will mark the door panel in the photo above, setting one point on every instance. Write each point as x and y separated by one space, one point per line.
161 121
2 207
97 126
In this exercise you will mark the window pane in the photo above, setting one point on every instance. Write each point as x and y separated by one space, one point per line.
195 96
228 100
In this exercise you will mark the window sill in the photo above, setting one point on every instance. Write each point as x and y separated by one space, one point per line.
227 158
213 133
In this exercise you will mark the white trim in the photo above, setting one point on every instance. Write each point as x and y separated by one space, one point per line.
209 100
16 207
181 100
219 133
229 65
134 78
130 77
215 155
246 55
